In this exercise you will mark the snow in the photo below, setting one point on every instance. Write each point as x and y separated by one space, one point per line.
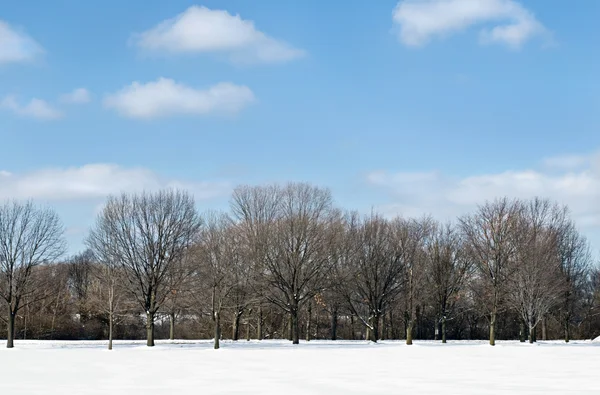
318 367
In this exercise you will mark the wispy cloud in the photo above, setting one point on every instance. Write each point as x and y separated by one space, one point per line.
96 181
77 96
571 162
504 22
573 180
165 97
16 46
35 108
202 30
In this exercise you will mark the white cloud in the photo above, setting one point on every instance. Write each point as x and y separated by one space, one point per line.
446 197
77 96
16 46
202 30
35 108
96 181
164 97
505 21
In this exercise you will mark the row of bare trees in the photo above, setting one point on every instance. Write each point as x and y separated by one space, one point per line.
529 257
285 262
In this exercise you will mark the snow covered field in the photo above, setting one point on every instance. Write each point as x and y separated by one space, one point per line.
318 367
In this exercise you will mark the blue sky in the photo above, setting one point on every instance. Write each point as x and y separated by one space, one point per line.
417 106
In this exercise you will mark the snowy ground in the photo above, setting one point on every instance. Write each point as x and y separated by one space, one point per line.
318 367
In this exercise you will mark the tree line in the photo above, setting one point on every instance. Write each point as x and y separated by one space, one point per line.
285 262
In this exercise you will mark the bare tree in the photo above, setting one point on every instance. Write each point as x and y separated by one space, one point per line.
256 209
575 263
80 278
591 297
240 297
332 302
298 264
411 236
288 228
370 271
29 236
219 256
147 234
489 234
55 280
107 292
107 283
180 283
535 283
448 268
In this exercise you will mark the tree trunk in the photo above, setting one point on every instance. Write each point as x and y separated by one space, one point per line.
352 334
409 310
334 323
285 331
259 326
149 329
236 326
290 327
316 332
172 326
10 340
110 331
567 331
493 327
444 328
544 329
54 317
308 321
25 319
391 321
295 327
248 331
521 332
409 326
217 322
531 333
375 331
418 320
